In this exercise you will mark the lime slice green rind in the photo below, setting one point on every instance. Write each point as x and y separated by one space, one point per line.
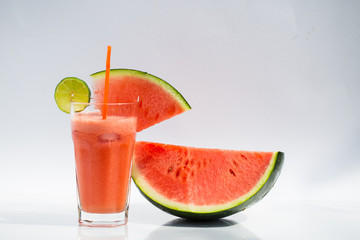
71 89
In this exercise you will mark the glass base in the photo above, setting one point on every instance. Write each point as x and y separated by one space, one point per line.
102 233
103 219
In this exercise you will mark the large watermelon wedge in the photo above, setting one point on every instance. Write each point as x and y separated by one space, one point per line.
198 183
159 100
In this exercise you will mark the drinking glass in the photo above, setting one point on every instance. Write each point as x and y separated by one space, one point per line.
104 137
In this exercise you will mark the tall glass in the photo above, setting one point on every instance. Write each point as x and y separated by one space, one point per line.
103 150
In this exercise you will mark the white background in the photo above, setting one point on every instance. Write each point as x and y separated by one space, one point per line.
259 75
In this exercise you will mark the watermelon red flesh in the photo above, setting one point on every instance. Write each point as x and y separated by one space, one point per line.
200 183
192 176
159 100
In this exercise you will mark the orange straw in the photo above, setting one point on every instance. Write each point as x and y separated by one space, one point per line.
106 88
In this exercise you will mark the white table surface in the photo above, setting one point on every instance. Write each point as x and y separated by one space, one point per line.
56 218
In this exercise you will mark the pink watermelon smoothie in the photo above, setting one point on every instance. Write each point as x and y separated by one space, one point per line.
103 151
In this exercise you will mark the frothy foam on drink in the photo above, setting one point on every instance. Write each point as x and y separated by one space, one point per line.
108 128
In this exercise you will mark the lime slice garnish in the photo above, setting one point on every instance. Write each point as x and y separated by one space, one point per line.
71 89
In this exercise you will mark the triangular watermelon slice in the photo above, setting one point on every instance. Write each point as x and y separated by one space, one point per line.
199 183
159 100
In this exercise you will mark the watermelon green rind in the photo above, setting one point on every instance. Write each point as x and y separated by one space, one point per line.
136 73
263 186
